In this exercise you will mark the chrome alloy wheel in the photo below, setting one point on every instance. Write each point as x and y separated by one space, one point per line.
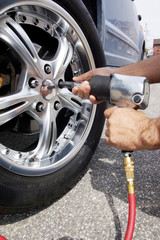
41 130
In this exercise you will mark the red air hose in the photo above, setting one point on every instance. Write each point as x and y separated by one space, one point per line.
131 217
2 238
129 170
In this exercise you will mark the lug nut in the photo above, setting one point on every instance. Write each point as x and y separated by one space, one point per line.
57 105
47 69
33 83
40 107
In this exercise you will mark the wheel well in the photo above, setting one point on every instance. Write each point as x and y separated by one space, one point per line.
92 8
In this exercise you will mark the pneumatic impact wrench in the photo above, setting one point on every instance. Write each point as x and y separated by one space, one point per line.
122 91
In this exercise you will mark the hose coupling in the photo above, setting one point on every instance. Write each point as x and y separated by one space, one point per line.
129 170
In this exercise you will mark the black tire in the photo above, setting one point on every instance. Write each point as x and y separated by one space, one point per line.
23 186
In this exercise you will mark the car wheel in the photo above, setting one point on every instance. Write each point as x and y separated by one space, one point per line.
48 135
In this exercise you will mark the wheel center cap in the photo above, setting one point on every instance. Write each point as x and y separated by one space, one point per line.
48 89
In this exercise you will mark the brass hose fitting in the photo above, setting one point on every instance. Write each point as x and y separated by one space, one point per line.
129 170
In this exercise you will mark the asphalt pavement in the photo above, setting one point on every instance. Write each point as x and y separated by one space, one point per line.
96 208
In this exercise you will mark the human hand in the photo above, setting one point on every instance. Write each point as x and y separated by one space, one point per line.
83 91
128 129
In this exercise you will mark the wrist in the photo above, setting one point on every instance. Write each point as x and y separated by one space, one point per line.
151 135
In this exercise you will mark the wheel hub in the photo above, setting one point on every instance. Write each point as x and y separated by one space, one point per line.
48 90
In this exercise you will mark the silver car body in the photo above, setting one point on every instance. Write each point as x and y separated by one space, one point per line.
120 31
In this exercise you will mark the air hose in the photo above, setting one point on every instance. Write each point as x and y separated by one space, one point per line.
2 238
129 170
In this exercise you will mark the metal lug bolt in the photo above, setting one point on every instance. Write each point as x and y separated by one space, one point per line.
36 21
57 105
40 107
20 155
69 125
57 143
23 18
76 73
73 60
7 151
31 160
47 69
66 137
33 83
46 27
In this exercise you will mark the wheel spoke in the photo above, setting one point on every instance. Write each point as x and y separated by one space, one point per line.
47 135
68 100
63 57
75 104
14 105
14 35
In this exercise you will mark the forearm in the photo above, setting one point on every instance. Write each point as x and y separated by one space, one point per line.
150 136
149 68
